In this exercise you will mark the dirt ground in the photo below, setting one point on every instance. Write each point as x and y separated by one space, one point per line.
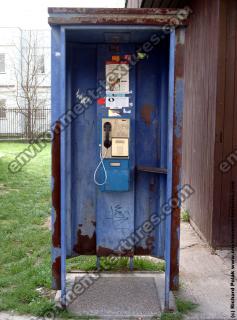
205 277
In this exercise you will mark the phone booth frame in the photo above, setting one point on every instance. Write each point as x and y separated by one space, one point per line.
172 20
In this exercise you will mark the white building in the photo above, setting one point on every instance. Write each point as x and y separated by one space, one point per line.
17 49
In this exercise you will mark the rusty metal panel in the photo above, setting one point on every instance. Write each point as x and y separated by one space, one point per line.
168 195
177 156
98 11
56 185
124 16
56 216
56 177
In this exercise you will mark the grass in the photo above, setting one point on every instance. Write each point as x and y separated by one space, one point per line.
88 263
24 242
25 263
183 307
185 216
67 315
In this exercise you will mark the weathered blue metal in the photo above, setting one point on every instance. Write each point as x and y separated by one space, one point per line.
123 217
151 145
83 61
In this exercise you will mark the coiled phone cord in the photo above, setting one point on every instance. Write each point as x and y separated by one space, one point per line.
101 163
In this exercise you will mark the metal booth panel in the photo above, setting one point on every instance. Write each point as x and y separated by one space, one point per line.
83 59
91 219
151 145
93 212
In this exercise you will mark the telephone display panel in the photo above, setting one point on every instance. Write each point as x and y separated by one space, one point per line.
115 138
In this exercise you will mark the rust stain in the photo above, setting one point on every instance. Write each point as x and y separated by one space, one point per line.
56 272
139 250
177 142
146 113
114 19
152 185
141 16
56 236
179 63
105 252
177 162
128 11
85 244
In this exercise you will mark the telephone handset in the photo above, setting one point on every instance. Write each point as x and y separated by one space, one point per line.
107 130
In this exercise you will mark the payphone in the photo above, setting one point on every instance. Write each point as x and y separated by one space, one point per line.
112 172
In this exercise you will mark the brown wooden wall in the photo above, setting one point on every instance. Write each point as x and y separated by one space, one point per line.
225 184
201 45
210 116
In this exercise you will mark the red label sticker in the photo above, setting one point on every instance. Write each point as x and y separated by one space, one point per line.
101 101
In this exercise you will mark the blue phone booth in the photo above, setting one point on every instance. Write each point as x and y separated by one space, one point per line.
117 95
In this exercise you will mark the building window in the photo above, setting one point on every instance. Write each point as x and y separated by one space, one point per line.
3 111
40 64
2 63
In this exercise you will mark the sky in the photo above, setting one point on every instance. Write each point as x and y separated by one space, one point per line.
32 14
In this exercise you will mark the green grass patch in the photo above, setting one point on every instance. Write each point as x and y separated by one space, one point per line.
183 308
24 242
88 263
171 316
67 315
185 216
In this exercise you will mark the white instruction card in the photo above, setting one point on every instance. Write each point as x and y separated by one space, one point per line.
117 77
117 102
